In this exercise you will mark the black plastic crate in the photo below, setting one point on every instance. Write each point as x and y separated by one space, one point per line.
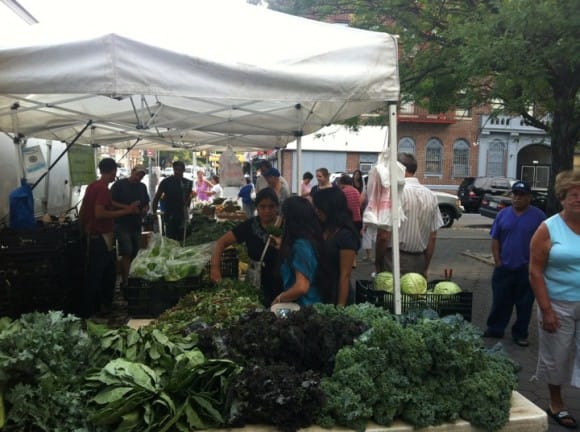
229 266
443 304
149 299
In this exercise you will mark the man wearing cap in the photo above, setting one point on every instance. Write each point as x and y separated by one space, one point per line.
261 182
128 227
511 233
274 182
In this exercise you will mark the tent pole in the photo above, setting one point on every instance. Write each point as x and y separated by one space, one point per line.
130 148
298 163
395 206
90 122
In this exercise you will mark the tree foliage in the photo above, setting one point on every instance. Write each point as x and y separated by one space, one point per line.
464 53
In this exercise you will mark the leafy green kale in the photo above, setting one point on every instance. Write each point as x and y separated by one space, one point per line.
425 371
43 362
277 395
305 339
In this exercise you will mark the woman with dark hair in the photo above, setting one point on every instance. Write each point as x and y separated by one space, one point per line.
342 239
253 233
303 269
357 181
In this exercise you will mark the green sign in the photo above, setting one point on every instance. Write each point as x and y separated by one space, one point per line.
81 160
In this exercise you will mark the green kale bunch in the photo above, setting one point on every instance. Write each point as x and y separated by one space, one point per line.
44 359
277 395
425 371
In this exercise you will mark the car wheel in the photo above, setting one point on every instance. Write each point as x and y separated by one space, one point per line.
447 216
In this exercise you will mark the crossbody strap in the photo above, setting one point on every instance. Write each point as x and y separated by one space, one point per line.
265 249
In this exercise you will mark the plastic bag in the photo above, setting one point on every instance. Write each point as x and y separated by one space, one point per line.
230 169
164 258
254 273
379 208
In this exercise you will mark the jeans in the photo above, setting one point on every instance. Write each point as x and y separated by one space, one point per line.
174 226
510 287
100 278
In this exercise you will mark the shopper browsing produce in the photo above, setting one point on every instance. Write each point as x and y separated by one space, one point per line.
254 233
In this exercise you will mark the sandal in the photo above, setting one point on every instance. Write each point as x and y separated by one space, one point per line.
563 418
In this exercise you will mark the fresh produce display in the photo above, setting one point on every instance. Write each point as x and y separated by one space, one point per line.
324 365
164 258
446 287
413 283
205 230
384 281
218 306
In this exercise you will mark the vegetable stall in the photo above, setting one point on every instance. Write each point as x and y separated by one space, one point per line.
215 362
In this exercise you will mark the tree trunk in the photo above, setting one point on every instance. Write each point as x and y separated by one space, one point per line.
564 139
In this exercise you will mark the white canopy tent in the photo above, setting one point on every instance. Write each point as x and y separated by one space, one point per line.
200 74
195 74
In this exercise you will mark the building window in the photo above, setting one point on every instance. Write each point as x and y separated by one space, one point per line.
433 156
496 158
460 158
407 145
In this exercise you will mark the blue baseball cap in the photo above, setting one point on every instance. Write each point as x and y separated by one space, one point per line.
521 186
272 172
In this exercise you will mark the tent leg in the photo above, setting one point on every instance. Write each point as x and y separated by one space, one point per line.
395 205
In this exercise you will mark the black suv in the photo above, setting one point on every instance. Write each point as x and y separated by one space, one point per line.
472 189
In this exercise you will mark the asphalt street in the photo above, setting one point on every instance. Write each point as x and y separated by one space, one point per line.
465 248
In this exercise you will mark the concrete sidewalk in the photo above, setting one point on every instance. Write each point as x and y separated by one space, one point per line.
467 252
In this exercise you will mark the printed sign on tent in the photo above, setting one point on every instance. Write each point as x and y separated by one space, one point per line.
81 160
34 163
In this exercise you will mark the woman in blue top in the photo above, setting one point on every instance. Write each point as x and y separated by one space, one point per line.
302 253
554 276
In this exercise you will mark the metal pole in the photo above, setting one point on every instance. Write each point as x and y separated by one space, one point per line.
395 206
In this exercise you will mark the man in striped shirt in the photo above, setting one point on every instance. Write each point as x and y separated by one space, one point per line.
418 233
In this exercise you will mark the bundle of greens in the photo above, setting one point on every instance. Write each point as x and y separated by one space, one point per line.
425 371
220 306
164 258
44 359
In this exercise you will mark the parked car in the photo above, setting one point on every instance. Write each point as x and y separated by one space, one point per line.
472 189
450 208
492 204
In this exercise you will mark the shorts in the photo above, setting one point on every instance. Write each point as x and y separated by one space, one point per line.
128 242
559 352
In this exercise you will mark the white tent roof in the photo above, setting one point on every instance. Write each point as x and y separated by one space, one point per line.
197 74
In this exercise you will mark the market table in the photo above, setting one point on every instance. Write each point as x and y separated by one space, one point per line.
525 416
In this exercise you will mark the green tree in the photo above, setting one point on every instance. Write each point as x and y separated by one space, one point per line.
465 53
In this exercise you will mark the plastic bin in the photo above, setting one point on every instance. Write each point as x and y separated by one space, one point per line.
443 304
149 299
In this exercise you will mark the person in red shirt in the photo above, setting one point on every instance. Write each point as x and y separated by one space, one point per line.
96 216
353 201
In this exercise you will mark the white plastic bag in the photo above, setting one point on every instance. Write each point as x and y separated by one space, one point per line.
380 207
230 169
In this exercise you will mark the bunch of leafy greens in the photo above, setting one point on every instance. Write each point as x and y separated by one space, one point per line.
283 359
157 383
164 258
214 306
277 395
305 340
206 230
425 371
44 359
